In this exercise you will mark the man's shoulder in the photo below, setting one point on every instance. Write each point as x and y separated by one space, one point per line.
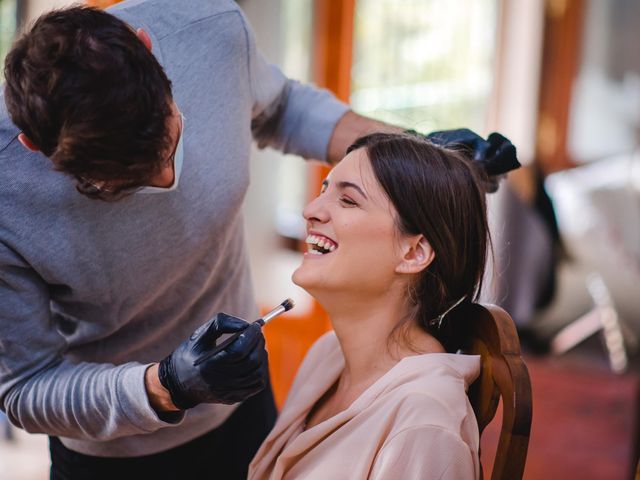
8 131
23 174
168 16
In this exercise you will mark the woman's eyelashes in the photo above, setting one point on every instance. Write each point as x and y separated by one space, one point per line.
344 200
348 202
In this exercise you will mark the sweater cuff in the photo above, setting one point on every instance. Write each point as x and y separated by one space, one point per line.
134 401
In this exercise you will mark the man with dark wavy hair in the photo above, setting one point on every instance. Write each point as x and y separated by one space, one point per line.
86 92
121 233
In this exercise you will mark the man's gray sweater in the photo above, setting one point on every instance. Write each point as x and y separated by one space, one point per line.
93 292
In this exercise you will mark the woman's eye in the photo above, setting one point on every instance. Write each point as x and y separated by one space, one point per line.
348 201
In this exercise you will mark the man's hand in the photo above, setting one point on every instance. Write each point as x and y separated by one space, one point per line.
229 376
496 155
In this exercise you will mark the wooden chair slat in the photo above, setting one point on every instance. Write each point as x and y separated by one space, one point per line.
503 376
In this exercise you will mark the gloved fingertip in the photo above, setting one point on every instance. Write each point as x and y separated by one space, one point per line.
252 336
209 333
247 343
508 155
254 329
229 324
497 137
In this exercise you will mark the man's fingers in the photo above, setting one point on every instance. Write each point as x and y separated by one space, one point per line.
229 323
502 150
244 353
219 325
251 340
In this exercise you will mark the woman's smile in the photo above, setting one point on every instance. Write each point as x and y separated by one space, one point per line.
319 244
350 226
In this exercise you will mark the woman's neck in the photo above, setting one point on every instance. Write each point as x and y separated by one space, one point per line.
372 344
366 327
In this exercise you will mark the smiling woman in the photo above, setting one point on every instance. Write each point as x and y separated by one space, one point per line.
396 239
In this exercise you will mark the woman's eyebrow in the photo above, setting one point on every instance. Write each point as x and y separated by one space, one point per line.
343 185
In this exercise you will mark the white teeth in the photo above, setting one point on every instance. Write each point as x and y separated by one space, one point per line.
320 242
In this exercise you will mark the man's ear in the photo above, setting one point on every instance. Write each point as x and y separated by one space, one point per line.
27 143
144 38
417 255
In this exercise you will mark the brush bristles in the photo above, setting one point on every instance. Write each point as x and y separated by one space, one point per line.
288 304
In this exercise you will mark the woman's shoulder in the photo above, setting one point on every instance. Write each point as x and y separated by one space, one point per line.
428 416
440 368
431 390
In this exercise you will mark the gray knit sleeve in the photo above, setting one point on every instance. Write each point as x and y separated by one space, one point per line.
42 393
288 115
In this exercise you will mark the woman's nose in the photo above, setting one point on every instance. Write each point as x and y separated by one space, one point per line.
316 210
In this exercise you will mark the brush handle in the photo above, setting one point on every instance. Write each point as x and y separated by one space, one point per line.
223 341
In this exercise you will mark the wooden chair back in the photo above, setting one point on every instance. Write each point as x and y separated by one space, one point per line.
503 375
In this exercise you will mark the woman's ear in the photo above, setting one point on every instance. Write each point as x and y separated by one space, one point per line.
417 255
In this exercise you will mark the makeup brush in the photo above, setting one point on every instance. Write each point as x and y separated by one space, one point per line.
226 339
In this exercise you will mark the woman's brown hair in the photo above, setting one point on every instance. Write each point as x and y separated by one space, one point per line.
437 192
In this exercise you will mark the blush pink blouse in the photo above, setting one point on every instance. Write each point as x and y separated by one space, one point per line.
415 422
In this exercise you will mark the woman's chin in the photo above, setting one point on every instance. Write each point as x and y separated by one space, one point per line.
300 277
307 280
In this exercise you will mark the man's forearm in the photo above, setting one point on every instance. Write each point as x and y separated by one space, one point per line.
350 127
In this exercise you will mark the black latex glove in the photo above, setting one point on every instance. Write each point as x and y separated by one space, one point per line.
230 376
496 155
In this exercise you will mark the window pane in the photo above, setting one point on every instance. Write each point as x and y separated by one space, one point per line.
424 64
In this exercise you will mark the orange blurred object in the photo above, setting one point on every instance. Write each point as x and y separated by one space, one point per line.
102 3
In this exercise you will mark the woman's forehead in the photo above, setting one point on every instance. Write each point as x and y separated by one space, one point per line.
356 168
